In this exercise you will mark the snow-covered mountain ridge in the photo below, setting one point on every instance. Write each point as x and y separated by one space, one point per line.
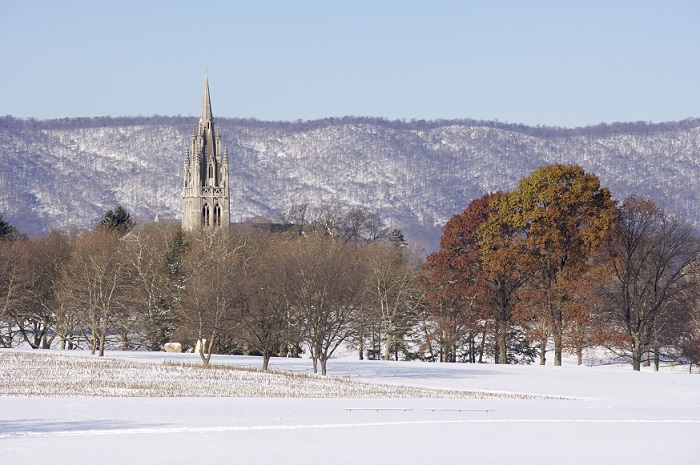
66 173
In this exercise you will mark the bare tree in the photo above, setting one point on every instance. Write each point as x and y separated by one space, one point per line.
14 272
48 257
650 284
213 266
266 309
326 219
297 215
360 225
392 287
323 283
153 252
93 285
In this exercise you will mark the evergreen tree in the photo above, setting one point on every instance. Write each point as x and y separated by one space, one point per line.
9 232
397 238
118 220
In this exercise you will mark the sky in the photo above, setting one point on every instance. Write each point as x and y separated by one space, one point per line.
555 63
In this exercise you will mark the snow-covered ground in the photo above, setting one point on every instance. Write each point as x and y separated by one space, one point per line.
577 415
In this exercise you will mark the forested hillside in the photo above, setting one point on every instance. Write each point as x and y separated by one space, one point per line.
66 173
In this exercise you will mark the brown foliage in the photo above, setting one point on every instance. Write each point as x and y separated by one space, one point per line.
475 276
559 216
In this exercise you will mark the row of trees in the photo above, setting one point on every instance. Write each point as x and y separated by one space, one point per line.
557 261
603 129
554 266
239 290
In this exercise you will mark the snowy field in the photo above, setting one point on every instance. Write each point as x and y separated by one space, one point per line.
451 414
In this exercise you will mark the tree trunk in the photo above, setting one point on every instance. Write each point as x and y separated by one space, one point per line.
579 356
125 339
502 347
557 345
387 346
103 333
103 336
92 340
362 348
636 355
483 345
323 359
205 359
266 359
656 356
543 351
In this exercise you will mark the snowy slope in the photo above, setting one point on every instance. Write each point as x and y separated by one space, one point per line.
611 415
62 174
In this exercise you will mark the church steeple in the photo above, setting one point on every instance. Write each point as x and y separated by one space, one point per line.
206 102
205 196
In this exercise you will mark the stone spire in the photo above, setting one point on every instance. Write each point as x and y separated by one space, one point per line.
206 102
205 196
206 126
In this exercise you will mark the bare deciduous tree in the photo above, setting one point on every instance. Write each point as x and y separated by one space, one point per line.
93 285
14 272
650 286
48 257
392 288
213 266
153 252
323 283
266 310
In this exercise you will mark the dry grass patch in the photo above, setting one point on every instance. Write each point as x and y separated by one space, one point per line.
55 375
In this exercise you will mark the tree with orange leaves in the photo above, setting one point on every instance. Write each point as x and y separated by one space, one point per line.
560 216
451 280
506 267
471 283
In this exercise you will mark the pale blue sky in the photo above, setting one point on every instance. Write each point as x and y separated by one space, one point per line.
563 63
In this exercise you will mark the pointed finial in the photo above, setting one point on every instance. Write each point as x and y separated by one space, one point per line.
206 102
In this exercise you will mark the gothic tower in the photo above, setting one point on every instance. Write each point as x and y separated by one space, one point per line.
205 200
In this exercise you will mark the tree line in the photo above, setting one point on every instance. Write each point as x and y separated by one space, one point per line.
556 266
599 130
552 267
334 276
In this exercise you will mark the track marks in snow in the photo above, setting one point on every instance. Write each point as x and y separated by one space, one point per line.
220 429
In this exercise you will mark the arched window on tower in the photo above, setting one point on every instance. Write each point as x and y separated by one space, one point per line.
205 215
217 215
